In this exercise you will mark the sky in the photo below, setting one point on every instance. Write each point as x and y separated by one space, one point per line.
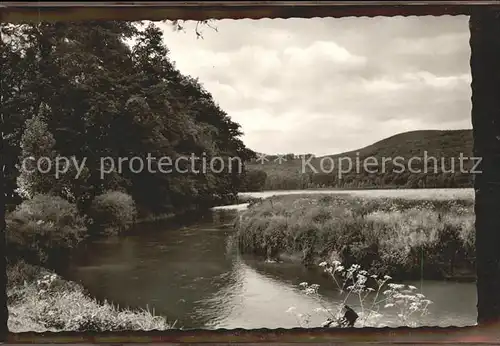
329 85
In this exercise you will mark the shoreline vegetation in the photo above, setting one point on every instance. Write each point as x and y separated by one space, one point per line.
40 300
404 238
43 230
401 237
103 103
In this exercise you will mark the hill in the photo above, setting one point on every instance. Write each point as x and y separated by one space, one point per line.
447 143
428 158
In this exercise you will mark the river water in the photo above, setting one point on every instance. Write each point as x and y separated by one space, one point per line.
193 276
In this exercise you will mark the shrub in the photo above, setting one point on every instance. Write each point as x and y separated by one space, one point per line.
113 212
18 271
43 228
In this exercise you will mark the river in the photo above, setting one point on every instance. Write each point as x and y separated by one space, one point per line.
191 275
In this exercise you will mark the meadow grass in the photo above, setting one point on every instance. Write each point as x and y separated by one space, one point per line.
40 300
406 238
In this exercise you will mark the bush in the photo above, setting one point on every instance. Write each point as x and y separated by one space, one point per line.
18 271
43 228
113 212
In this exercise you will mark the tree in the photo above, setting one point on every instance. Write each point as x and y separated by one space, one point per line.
81 90
254 180
108 99
15 100
41 170
37 145
178 25
4 311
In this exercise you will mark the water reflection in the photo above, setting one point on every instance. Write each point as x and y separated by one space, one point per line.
189 274
453 303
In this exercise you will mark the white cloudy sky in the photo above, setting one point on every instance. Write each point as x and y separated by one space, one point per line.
329 85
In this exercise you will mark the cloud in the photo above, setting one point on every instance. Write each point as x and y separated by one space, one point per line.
330 85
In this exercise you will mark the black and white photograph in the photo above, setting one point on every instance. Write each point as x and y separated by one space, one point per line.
271 173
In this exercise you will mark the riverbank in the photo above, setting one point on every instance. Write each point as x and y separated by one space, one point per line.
405 238
181 217
44 231
40 300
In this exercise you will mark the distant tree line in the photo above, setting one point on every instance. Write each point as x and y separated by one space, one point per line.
289 176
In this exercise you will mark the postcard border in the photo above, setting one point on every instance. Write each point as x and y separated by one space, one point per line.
200 10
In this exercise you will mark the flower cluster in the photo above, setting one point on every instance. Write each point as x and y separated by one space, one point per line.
406 300
46 283
367 289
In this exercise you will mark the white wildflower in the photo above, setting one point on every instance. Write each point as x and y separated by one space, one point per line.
321 310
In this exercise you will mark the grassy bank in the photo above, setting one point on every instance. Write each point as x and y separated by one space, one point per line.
43 231
39 300
401 237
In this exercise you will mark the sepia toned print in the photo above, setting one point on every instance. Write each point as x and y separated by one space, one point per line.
340 235
101 236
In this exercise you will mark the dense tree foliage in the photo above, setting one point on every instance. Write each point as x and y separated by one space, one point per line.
99 91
